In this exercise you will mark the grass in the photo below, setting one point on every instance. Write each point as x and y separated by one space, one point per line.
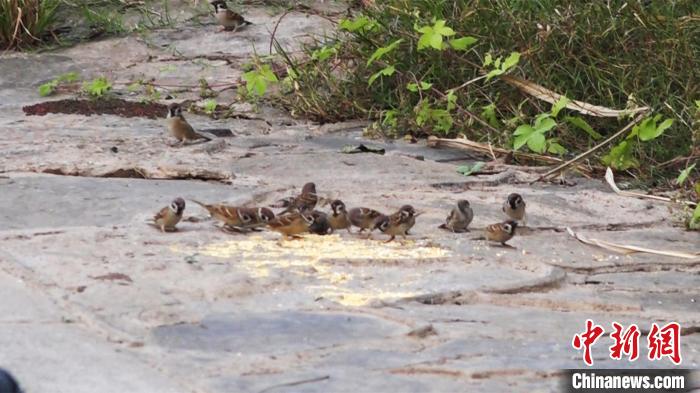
615 54
24 23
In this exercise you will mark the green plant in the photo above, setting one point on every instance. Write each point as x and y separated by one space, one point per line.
104 21
49 88
258 79
621 157
209 106
97 87
398 62
683 176
534 136
467 170
25 22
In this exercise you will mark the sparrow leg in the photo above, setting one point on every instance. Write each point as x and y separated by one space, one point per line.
390 239
162 228
349 230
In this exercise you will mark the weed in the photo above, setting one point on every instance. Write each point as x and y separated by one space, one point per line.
25 22
97 87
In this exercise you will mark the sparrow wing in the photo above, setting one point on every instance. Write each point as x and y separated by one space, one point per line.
161 214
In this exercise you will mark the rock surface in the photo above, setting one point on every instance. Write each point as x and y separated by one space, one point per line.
95 300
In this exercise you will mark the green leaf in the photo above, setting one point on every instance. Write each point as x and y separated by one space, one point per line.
257 80
359 23
695 219
324 53
559 105
684 174
581 124
522 134
545 124
442 118
648 129
387 71
210 106
467 170
414 87
97 87
556 148
48 88
620 157
536 142
451 100
383 50
432 35
494 72
488 60
489 113
462 43
443 30
510 61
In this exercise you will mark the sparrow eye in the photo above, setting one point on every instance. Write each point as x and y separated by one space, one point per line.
508 228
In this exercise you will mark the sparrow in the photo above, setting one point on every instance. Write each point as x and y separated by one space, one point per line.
292 224
339 219
239 217
306 201
168 217
364 218
514 207
179 127
321 225
459 218
398 223
501 232
227 18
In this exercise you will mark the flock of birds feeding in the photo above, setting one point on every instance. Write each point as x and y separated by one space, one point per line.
299 216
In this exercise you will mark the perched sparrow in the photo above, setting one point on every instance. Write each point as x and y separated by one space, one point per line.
169 216
501 232
292 224
459 218
339 219
179 127
321 225
514 207
227 18
306 201
398 223
364 218
239 217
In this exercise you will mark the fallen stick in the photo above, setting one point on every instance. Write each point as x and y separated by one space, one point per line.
627 249
611 182
489 150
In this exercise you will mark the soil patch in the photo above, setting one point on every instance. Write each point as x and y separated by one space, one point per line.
111 106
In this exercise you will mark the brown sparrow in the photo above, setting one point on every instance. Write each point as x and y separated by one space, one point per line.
321 225
398 223
339 219
168 217
501 232
306 201
227 18
179 127
292 224
514 207
364 218
239 217
459 218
